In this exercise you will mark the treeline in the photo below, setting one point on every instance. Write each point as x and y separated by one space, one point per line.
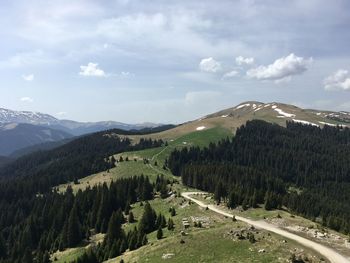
40 171
302 167
31 229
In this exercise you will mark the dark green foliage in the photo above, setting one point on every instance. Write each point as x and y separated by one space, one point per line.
160 233
88 257
131 218
57 221
264 161
172 211
171 224
161 186
114 231
251 238
148 220
73 228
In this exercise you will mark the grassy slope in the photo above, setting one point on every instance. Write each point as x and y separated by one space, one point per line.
213 247
132 167
212 244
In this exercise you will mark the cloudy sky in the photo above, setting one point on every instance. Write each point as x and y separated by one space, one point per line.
171 61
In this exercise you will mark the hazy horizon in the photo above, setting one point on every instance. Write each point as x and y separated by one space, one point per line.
133 62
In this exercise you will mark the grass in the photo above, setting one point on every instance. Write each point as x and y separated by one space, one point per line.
68 255
71 254
210 244
201 244
159 154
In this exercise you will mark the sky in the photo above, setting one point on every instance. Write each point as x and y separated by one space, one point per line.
171 61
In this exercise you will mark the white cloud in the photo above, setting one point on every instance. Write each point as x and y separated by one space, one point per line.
231 74
26 99
282 68
29 77
209 65
91 70
339 80
244 61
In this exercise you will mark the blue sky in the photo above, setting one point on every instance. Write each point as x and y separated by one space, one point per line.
171 61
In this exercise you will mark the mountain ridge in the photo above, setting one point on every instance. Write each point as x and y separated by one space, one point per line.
74 127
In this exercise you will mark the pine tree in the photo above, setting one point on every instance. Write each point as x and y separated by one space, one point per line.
115 249
148 219
133 240
144 240
170 224
173 211
73 228
160 233
114 231
131 218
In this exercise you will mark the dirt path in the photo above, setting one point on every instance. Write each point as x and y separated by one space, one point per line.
327 252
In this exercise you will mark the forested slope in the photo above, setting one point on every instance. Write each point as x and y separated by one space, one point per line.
302 167
36 220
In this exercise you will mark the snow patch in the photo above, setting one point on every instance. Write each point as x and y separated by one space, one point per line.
184 143
306 122
200 128
327 123
274 107
281 112
224 116
279 116
242 106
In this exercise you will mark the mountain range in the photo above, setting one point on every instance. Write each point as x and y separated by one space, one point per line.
22 132
25 129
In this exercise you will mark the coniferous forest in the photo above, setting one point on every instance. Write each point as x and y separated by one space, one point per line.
303 168
36 220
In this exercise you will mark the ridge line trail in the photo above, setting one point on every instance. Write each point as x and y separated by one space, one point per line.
329 253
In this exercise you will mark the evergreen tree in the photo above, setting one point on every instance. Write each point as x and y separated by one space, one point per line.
160 233
73 228
114 231
148 220
131 218
170 224
172 211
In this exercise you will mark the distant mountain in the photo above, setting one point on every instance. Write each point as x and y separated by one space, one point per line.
280 112
15 136
70 126
39 147
35 118
231 119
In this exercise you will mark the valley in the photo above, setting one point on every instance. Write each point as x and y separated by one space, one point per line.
256 234
170 249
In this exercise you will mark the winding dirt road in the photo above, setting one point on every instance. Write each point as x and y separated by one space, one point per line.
327 252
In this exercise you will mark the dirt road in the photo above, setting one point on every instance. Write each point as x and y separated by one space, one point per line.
332 255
